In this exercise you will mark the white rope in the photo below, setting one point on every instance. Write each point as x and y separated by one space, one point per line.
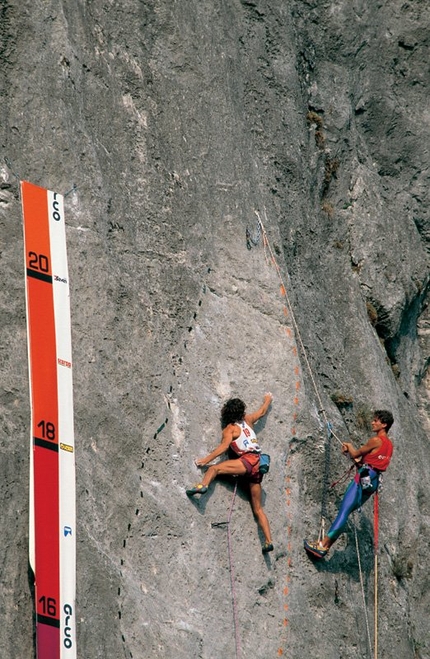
321 410
297 330
369 640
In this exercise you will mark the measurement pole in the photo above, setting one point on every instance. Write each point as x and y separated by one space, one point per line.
52 546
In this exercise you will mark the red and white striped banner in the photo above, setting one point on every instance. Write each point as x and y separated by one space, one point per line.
52 458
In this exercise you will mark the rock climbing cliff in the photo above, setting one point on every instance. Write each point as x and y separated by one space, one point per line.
171 127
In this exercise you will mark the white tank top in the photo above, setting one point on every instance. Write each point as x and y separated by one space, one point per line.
247 440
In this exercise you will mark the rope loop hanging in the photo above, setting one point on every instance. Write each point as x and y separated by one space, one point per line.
232 580
360 571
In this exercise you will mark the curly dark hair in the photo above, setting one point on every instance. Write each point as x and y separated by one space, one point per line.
384 416
232 411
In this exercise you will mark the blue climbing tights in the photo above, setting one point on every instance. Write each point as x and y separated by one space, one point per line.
354 497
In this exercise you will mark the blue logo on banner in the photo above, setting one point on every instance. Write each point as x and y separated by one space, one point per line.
67 530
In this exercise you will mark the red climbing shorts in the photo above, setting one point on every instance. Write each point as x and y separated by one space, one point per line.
252 464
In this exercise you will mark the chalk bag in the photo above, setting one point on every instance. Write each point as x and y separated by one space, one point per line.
264 463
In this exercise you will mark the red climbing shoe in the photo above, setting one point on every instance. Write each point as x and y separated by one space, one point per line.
197 489
267 547
315 549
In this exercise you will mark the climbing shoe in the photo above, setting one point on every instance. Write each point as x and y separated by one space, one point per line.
267 547
315 549
197 489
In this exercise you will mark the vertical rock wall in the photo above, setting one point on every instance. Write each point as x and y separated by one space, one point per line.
168 126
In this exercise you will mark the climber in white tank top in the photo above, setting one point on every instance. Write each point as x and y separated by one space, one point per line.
238 434
247 440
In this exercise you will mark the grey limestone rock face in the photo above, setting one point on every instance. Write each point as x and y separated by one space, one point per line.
171 127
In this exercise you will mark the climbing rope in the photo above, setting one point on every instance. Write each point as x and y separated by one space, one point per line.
375 549
344 476
233 588
325 483
330 434
297 333
366 617
321 410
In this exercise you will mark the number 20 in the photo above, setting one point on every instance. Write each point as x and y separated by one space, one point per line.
38 262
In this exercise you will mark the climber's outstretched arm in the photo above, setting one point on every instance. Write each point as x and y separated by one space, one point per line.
226 439
254 416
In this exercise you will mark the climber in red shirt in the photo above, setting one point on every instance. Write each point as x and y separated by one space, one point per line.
372 458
